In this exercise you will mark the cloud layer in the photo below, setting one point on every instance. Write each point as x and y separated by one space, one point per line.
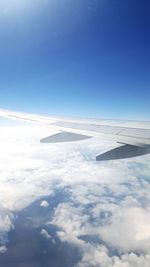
106 211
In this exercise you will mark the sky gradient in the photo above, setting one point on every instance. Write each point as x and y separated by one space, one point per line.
82 58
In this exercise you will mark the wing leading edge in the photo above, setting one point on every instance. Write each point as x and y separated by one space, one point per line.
133 135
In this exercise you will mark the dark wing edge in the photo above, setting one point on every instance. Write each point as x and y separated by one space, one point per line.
123 152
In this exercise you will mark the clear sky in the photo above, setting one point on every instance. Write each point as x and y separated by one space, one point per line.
76 57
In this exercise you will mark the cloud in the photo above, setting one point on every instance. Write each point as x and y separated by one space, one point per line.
3 249
6 224
46 235
99 256
44 204
106 208
128 229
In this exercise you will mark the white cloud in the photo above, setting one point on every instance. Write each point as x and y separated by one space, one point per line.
109 200
70 220
44 204
95 256
128 229
3 249
46 235
6 224
98 256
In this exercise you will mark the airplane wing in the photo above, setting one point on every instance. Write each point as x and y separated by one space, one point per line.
133 137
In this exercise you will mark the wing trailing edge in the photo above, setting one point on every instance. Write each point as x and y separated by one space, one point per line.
122 152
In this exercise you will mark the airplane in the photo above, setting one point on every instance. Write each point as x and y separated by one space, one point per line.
133 137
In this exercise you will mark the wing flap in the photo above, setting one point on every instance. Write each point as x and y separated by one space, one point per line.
122 152
64 137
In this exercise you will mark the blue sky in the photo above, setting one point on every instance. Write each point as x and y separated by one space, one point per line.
84 57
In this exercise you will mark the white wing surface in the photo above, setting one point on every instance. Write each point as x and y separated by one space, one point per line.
133 136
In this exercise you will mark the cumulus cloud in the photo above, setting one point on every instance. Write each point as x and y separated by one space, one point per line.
106 211
46 235
128 229
44 204
99 256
